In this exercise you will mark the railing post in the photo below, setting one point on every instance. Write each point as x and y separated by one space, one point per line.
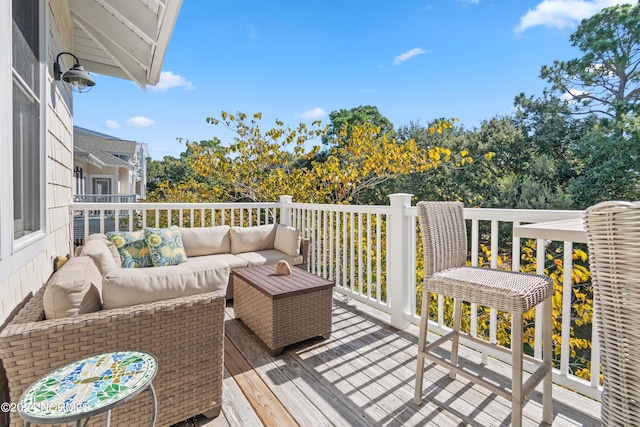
285 210
398 283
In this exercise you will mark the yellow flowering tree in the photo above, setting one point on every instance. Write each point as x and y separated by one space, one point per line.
260 166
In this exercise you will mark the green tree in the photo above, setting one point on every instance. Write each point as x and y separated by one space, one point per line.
166 176
606 79
169 170
356 116
609 165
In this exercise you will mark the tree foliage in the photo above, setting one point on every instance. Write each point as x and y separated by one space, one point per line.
606 79
353 117
260 166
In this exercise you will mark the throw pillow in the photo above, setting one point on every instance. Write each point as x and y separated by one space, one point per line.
165 245
132 248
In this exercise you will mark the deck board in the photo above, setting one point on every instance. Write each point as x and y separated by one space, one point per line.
364 376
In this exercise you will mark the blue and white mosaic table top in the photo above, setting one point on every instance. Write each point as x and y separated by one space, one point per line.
88 386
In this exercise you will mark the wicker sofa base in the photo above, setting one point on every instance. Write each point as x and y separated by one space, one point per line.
283 321
185 334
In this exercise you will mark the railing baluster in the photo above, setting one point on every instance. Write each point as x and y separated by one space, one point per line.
339 278
352 247
475 237
567 292
368 253
595 353
325 246
493 336
378 257
360 252
344 249
412 267
331 245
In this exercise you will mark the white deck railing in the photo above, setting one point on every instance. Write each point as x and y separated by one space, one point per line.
371 252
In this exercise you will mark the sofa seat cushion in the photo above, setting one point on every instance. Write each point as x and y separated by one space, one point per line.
269 256
73 290
234 261
123 287
199 241
251 239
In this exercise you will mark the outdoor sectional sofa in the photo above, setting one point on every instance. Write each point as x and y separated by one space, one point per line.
182 325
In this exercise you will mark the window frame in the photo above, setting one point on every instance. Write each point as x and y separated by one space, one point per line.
15 253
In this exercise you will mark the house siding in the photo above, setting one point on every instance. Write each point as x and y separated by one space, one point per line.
58 144
31 273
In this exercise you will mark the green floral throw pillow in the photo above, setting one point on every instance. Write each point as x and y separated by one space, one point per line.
165 245
132 247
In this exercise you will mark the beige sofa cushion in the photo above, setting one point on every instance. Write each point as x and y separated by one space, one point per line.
99 252
269 256
112 248
250 239
123 287
74 289
234 261
287 240
206 240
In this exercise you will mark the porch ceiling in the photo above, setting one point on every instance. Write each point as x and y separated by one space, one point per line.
123 38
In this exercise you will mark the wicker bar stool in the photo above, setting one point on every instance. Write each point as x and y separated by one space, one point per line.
613 236
444 238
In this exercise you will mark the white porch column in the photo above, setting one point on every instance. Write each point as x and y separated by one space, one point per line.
399 227
285 210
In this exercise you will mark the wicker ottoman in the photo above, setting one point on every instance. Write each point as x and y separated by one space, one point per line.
282 310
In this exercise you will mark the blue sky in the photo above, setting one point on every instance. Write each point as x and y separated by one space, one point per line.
415 60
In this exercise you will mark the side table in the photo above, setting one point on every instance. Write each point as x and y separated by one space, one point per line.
282 310
88 387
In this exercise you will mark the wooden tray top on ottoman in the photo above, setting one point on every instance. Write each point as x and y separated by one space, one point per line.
282 310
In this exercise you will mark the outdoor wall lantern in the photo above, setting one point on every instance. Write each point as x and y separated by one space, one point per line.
77 77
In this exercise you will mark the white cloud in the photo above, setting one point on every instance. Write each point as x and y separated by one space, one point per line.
169 80
564 13
139 121
408 55
315 113
111 124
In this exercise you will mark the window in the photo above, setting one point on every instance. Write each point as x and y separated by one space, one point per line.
27 212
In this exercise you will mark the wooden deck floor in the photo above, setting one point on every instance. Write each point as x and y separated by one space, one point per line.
363 376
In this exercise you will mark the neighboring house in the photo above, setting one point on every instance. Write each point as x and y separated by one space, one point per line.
120 38
106 166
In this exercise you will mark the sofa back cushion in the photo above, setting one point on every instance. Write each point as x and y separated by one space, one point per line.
99 252
199 241
251 239
74 289
287 240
